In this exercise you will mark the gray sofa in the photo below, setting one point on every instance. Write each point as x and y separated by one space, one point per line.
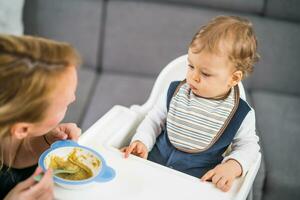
125 44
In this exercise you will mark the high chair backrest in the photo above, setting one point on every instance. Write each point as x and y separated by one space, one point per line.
175 70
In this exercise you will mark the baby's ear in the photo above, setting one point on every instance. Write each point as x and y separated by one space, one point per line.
237 76
19 130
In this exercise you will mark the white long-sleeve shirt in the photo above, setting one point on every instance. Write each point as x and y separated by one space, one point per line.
245 146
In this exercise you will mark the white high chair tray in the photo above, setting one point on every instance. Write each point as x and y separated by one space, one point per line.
137 178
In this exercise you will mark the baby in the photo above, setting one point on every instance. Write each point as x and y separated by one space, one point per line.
195 120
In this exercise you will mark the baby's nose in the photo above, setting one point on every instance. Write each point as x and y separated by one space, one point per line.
196 77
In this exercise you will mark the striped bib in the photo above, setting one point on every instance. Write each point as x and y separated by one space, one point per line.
195 123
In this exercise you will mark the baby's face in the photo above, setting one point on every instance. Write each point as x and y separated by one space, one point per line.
210 75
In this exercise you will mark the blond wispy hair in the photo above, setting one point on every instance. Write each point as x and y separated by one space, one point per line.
231 36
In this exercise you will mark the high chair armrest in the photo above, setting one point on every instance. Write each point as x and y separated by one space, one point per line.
247 183
139 110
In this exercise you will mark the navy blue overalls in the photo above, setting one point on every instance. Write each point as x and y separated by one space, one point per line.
196 164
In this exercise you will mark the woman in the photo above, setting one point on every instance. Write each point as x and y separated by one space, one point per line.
37 83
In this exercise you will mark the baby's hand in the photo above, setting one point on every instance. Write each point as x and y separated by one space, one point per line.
224 174
136 148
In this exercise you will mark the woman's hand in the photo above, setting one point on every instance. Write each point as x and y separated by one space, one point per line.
31 190
224 174
63 132
136 148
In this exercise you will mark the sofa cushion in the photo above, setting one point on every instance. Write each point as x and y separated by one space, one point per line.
278 123
253 6
75 21
86 79
283 9
116 89
153 34
279 47
145 36
11 17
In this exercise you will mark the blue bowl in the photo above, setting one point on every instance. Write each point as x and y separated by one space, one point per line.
63 148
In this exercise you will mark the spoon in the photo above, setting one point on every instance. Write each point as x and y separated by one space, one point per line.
55 172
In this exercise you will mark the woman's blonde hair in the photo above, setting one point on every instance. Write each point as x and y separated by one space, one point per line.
229 35
29 68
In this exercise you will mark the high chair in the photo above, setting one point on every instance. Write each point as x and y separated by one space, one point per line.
115 129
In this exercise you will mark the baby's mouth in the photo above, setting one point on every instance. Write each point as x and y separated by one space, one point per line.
192 87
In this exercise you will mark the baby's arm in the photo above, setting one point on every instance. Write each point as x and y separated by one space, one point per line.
146 133
153 123
245 149
245 146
